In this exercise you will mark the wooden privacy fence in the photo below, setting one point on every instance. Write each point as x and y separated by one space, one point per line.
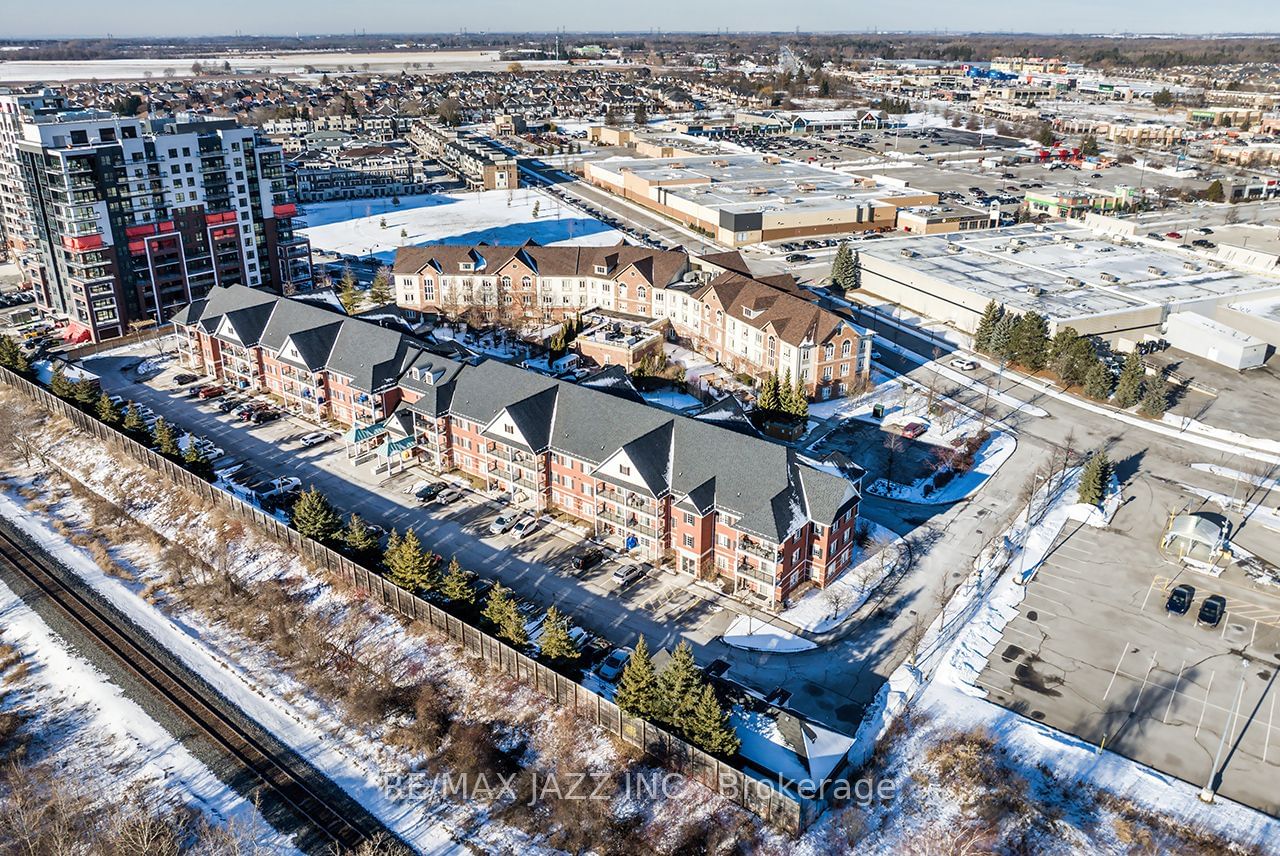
786 812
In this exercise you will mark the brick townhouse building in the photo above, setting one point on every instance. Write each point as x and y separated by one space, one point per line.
752 325
688 494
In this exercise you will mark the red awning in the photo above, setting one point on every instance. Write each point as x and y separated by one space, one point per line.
76 333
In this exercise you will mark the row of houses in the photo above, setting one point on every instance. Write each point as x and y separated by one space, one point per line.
472 158
751 325
686 493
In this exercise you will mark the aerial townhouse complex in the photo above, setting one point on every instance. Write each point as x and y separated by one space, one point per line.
118 222
756 326
474 160
673 490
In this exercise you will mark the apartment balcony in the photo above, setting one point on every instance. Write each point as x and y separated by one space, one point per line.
510 455
626 498
628 522
759 549
744 570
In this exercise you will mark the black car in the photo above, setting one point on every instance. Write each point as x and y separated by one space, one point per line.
262 416
1212 610
799 257
587 558
184 379
429 492
1180 599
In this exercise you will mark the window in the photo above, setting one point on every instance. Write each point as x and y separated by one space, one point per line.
506 282
624 469
844 370
509 429
688 518
829 352
688 540
526 282
846 348
826 373
640 292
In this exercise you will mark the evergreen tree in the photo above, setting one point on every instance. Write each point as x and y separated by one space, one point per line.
842 268
1215 192
106 410
502 613
708 725
987 327
456 584
314 517
358 538
1155 398
9 352
83 392
166 441
134 423
1002 336
1129 387
195 460
348 294
1074 363
1095 479
59 385
768 399
641 114
857 270
1097 383
678 686
1062 342
380 293
1029 343
555 643
786 394
799 401
638 692
1089 146
408 566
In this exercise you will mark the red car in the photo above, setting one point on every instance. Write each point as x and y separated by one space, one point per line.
1177 236
212 391
913 429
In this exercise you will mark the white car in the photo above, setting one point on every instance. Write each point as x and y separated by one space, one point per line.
525 525
963 364
501 524
284 484
449 495
315 438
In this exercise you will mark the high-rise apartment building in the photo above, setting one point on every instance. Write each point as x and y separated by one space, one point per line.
117 221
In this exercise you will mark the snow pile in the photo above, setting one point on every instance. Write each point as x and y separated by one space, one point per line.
671 399
78 714
365 227
754 634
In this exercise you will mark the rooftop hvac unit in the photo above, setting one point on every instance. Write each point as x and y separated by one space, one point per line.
1216 265
1040 227
1192 266
1075 282
757 191
806 187
906 253
1035 290
1109 277
954 248
997 247
1060 239
1018 242
1154 271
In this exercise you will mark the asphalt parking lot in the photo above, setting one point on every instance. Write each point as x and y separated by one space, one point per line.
867 443
1094 652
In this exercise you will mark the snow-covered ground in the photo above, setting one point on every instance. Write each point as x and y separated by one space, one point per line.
492 216
755 634
989 458
85 722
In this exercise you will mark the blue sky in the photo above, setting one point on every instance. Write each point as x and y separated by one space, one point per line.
180 17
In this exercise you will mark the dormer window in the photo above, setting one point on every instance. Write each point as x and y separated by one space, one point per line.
749 313
602 270
468 266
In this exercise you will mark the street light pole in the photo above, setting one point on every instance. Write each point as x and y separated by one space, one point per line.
1208 792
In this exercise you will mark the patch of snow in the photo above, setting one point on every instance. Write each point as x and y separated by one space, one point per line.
822 610
493 216
753 634
92 717
671 399
989 458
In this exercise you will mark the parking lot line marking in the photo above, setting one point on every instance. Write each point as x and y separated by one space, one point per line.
1174 694
1205 703
1039 584
1270 718
1142 688
1148 597
1123 652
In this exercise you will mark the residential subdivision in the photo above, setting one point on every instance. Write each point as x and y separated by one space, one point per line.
712 303
672 490
118 222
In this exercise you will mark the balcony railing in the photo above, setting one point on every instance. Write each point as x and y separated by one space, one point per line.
630 500
744 569
515 456
763 551
631 523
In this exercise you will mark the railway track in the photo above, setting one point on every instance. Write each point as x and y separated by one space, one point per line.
321 827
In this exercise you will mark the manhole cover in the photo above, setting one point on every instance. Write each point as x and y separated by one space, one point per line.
1032 615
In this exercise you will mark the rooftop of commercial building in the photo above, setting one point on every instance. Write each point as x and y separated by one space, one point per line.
744 183
1065 271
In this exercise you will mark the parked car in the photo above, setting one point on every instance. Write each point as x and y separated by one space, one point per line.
1155 236
263 416
502 523
284 484
1177 236
229 404
963 364
212 391
1212 610
315 438
610 668
913 429
1180 599
525 526
430 491
627 574
1204 230
585 559
449 495
799 257
246 412
184 379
